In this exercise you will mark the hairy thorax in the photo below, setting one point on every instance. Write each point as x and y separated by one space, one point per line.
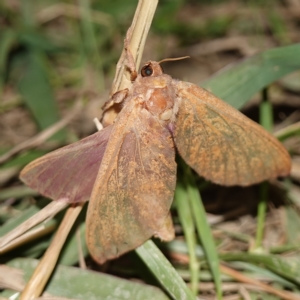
156 94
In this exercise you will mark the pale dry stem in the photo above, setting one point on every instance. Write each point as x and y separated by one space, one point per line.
29 236
135 40
41 274
11 278
47 212
288 130
82 263
256 283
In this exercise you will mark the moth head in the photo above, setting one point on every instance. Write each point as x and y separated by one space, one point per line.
153 68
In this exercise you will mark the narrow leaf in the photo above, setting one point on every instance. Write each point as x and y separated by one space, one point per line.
163 271
237 83
187 222
77 283
204 231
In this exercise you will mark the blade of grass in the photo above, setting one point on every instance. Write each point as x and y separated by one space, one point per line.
204 231
8 38
181 247
72 282
90 41
43 271
261 214
17 220
281 266
289 131
48 211
263 274
265 287
34 82
266 120
16 192
70 253
37 92
36 235
187 222
266 111
164 271
237 83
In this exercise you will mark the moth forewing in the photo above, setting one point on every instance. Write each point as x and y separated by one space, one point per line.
166 233
134 188
223 145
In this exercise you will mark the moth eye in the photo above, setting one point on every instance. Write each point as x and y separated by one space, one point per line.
147 71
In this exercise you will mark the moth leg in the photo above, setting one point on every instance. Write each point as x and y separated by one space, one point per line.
112 107
115 104
117 97
98 124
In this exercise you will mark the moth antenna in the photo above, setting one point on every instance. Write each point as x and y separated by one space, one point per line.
173 59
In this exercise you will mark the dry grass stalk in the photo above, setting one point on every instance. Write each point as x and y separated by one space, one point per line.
257 284
27 237
47 212
41 274
137 34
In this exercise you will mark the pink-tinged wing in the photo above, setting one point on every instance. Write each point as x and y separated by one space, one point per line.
68 172
223 145
134 188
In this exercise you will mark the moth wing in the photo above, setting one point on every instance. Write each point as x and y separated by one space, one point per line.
223 145
68 172
134 188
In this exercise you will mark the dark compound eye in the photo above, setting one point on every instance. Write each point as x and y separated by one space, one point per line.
147 71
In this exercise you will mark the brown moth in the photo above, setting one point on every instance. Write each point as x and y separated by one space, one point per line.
128 169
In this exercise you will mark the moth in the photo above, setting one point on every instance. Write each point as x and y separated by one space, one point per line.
128 169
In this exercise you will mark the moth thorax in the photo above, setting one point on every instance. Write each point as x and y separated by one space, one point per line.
159 102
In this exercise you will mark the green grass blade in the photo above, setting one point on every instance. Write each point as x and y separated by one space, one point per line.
164 271
19 219
35 87
204 231
289 131
187 222
238 83
76 240
266 112
261 273
288 269
261 214
71 282
16 192
90 41
180 246
7 40
266 120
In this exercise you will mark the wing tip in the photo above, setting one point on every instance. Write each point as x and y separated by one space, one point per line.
24 174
